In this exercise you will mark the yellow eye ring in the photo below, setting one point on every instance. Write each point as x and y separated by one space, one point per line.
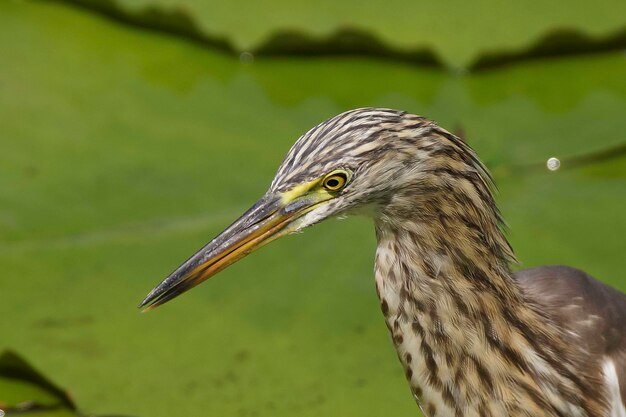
335 181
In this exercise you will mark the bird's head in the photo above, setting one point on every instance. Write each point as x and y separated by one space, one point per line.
361 161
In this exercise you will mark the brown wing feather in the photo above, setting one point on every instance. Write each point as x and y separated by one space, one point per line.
585 305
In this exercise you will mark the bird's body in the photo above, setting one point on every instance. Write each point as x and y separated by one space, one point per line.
474 338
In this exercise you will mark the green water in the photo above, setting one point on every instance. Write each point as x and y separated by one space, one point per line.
123 151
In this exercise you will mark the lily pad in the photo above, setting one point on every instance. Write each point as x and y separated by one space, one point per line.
24 391
459 34
124 151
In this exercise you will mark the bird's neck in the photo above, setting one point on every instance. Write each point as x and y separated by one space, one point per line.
470 343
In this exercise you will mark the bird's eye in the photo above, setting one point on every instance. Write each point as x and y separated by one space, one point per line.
335 181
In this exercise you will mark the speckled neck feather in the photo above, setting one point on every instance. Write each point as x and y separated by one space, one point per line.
470 342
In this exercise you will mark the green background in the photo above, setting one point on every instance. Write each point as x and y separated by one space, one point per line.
123 149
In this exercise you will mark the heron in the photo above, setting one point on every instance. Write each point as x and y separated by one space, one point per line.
474 337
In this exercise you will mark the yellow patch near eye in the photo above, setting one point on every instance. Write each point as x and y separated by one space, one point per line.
298 191
333 182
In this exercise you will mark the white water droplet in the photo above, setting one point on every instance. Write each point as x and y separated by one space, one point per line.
553 164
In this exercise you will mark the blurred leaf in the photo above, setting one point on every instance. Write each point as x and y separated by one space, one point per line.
23 390
124 151
459 33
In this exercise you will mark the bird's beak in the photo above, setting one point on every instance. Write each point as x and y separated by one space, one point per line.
271 217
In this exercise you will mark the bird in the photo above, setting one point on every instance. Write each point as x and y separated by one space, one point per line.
474 338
